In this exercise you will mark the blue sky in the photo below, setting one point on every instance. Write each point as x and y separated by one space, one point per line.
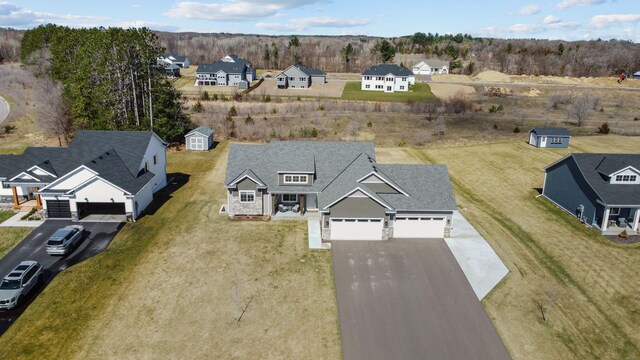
551 19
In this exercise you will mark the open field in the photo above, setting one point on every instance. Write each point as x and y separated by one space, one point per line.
417 92
549 253
332 88
173 284
445 91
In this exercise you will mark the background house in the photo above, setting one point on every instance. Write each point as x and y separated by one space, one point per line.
101 172
178 60
636 75
602 190
300 77
231 70
388 78
431 67
199 138
549 137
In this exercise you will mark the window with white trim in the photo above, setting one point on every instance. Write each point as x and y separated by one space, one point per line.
289 197
247 196
614 211
556 140
401 87
367 86
626 178
155 159
296 179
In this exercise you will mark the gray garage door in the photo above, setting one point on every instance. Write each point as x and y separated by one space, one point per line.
58 209
86 209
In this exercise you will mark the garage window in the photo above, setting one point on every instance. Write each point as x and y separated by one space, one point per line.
247 196
155 159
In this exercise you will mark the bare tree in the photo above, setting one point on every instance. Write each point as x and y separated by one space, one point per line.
546 300
581 108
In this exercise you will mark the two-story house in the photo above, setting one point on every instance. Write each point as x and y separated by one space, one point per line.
388 78
231 70
601 190
101 172
352 196
300 77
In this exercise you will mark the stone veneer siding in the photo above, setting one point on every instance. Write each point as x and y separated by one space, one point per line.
240 208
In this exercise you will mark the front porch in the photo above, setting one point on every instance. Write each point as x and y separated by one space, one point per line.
25 197
294 206
619 219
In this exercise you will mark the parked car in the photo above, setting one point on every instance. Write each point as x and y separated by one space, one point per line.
15 287
64 240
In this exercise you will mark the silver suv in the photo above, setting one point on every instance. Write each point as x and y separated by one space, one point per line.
64 240
15 287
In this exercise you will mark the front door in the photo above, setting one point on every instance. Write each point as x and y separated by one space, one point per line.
543 141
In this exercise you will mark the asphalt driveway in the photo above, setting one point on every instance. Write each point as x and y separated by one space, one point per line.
409 299
98 236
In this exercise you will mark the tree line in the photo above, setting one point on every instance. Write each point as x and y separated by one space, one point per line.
110 78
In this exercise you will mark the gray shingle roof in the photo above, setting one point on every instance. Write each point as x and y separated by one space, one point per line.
384 69
338 167
310 71
122 165
204 130
238 66
551 131
435 63
592 167
178 58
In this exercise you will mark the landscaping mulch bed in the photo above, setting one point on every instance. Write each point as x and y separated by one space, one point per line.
250 217
631 239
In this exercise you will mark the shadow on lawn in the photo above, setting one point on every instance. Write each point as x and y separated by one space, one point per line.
174 183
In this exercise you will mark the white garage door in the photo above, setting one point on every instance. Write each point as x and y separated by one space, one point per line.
356 229
197 143
419 227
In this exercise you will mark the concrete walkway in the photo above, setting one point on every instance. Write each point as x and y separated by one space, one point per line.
4 109
315 235
480 264
15 221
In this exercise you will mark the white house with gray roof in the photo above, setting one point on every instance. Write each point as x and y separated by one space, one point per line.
601 190
431 67
300 77
100 173
355 197
388 78
180 61
231 70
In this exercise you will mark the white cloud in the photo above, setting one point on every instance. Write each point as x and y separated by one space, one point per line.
550 19
233 10
530 9
569 3
302 24
602 21
23 18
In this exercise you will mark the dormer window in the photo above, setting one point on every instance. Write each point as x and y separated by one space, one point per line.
296 179
626 178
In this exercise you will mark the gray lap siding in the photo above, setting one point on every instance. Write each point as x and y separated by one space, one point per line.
565 186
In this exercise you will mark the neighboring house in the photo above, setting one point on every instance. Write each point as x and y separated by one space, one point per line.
199 138
171 70
602 190
356 198
300 77
431 67
101 172
178 60
231 70
388 78
636 75
549 137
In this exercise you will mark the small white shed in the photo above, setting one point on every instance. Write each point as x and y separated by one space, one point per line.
199 139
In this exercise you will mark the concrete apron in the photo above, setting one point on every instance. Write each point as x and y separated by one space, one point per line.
480 264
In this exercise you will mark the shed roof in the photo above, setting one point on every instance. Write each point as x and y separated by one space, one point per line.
204 130
551 131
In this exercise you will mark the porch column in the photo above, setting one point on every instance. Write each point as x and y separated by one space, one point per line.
302 204
16 202
38 198
605 220
636 219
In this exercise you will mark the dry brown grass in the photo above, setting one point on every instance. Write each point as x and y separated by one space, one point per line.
182 301
332 88
596 314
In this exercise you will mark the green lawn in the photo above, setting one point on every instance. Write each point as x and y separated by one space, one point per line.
4 215
417 92
9 237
